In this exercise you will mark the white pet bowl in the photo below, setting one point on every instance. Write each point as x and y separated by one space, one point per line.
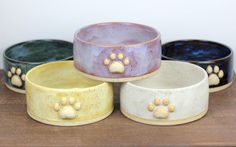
177 94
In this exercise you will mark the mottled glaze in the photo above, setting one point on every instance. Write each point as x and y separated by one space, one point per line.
139 45
26 55
57 94
177 94
215 58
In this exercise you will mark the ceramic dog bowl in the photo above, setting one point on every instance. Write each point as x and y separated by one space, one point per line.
215 58
57 94
20 58
177 94
117 51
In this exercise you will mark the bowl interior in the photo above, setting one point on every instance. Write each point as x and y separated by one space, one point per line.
59 75
195 50
117 34
173 74
40 51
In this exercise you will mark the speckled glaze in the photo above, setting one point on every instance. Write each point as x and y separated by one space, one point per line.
97 47
215 58
21 57
170 97
57 94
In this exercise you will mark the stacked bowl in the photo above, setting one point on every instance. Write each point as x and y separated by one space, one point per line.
117 52
21 57
154 91
215 58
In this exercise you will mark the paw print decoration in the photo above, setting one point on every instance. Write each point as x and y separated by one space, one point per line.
16 76
67 108
116 62
161 108
214 75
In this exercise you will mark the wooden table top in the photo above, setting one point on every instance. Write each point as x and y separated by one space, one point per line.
217 128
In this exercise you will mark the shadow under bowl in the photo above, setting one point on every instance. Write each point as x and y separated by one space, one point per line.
21 57
215 58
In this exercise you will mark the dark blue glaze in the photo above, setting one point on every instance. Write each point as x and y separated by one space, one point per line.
195 50
202 53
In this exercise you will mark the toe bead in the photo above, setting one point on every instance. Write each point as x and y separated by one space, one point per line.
113 56
171 108
216 69
71 100
23 77
126 61
63 100
150 107
18 71
9 74
166 101
13 70
77 105
120 56
221 74
157 101
209 69
106 61
57 107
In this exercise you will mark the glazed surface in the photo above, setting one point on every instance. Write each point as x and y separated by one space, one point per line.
40 51
20 58
215 58
64 76
109 34
171 76
67 99
121 60
156 101
195 50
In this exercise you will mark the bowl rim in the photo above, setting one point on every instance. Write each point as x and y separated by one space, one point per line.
157 36
196 61
28 41
204 79
101 84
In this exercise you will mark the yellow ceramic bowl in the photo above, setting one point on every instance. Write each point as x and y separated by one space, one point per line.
58 95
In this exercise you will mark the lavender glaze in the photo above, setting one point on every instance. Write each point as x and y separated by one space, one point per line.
102 49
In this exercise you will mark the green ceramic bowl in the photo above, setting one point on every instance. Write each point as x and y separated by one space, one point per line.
21 57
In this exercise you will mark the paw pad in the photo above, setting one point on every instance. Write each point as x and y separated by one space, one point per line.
116 62
16 76
67 108
214 75
161 109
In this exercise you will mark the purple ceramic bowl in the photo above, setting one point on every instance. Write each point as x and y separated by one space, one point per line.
117 51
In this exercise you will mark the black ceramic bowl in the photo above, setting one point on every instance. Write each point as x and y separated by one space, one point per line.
215 58
21 57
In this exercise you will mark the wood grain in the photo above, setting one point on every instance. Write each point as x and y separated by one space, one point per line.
217 128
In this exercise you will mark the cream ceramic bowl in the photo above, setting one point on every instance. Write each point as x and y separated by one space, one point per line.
177 94
58 95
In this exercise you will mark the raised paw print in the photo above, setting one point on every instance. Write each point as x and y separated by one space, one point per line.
161 109
116 62
214 75
67 108
16 77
